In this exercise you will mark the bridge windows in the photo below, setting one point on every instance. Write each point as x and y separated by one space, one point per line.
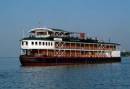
48 43
38 43
32 43
35 43
24 43
43 43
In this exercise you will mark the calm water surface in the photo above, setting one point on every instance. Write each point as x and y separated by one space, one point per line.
88 76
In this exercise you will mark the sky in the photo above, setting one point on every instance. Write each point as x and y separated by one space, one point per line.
106 19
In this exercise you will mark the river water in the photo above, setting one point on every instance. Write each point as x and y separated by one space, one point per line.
87 76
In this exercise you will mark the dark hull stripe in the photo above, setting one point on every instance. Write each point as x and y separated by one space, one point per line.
45 61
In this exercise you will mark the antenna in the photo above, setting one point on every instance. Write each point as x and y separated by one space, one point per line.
109 40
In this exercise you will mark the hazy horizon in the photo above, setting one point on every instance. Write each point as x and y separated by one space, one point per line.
106 19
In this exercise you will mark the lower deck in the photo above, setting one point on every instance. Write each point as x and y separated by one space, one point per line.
70 53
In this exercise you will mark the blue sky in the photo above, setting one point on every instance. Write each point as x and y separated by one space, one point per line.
102 18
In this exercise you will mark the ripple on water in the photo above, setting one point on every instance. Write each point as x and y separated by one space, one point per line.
89 76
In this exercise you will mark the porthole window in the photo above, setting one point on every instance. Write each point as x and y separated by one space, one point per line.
39 43
35 43
26 43
46 43
43 43
32 43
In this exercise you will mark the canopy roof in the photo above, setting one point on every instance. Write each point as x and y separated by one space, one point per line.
47 29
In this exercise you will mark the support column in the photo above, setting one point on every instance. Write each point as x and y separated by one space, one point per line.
75 49
80 49
47 52
38 51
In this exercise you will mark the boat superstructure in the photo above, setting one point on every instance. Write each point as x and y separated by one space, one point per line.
51 46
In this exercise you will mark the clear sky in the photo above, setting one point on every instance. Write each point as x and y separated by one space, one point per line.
103 18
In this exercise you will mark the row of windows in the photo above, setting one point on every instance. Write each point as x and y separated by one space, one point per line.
37 43
42 43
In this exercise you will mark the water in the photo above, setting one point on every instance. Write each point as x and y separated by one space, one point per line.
88 76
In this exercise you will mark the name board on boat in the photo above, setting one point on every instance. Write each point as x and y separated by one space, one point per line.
58 39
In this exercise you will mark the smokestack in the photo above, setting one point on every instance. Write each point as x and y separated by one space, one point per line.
82 36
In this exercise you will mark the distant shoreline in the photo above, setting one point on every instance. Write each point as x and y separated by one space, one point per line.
125 54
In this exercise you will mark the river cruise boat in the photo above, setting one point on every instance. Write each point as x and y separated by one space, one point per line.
49 46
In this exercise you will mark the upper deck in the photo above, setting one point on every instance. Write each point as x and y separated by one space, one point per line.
47 32
52 34
46 41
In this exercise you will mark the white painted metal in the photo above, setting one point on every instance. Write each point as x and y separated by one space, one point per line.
115 54
57 39
29 44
